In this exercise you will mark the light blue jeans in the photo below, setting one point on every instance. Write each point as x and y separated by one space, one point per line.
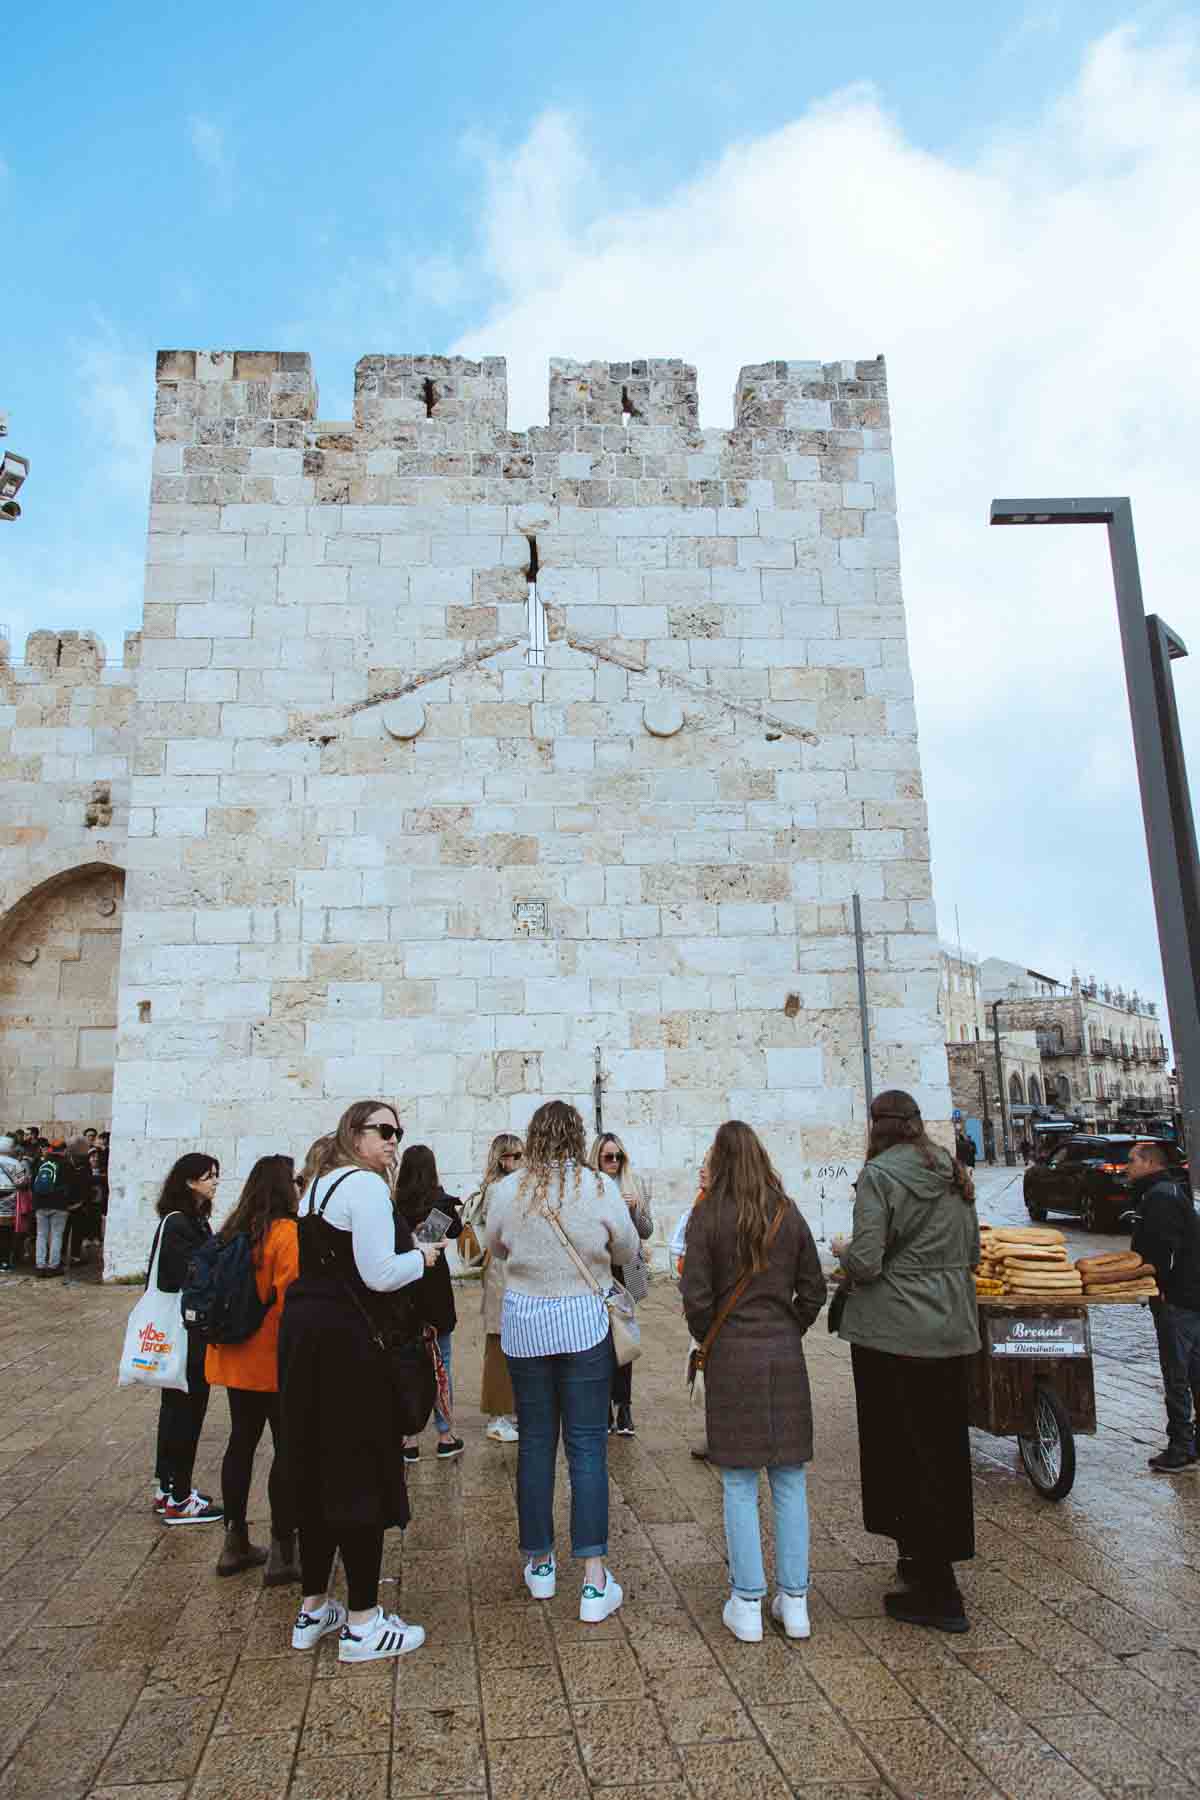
789 1498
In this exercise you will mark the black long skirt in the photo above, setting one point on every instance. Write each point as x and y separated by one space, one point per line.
341 1452
915 1453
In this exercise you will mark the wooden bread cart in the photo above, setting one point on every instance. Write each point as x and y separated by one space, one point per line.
1032 1379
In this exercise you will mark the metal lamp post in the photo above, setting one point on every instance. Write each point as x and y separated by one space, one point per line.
1009 1153
1149 647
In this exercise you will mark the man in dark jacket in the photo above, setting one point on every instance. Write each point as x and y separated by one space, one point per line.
1166 1233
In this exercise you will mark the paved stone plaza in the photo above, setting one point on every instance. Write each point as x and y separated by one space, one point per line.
129 1670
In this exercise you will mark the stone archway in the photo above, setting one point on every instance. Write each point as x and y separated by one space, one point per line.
1016 1090
60 948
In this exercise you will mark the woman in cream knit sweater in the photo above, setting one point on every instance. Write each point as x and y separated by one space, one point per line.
555 1333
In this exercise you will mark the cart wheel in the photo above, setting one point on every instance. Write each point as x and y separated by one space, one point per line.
1049 1454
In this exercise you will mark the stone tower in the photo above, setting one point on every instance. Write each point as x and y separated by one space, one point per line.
460 754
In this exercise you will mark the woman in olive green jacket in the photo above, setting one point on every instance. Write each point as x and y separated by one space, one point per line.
910 1318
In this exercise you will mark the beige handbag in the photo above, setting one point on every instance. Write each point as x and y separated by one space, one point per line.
622 1313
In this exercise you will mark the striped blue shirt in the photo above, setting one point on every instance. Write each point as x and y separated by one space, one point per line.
551 1324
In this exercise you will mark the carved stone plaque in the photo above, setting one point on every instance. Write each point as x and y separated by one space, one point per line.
530 918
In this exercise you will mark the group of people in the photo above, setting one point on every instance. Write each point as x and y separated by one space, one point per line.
359 1314
53 1198
358 1310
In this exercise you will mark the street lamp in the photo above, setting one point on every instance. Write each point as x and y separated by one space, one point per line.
1009 1153
1149 647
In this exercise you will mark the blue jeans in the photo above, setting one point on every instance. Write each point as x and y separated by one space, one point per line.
439 1418
570 1390
789 1498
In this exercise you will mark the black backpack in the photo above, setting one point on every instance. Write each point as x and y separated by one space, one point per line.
220 1294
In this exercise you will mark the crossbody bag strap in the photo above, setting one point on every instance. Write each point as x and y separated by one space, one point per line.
714 1329
573 1253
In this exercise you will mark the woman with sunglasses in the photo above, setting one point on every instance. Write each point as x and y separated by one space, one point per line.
505 1155
249 1371
609 1157
342 1453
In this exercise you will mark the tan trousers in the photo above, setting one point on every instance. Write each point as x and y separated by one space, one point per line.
496 1400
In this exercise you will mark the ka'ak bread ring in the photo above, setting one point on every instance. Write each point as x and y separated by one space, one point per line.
1028 1234
1105 1277
1114 1260
1032 1252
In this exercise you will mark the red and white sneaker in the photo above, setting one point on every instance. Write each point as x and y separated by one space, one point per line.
160 1502
197 1509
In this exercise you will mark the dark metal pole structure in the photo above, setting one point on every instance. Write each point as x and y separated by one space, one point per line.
863 1014
1009 1154
1149 647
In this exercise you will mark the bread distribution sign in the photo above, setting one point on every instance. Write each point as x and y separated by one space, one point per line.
1038 1338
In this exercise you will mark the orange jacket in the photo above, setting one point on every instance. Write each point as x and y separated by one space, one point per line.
254 1363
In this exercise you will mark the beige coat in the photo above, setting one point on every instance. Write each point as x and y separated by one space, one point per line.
475 1211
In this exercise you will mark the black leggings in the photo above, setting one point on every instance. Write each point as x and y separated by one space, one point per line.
180 1422
362 1558
249 1411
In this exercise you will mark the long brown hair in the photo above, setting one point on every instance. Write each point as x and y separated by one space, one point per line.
338 1147
896 1119
417 1185
554 1139
741 1173
269 1194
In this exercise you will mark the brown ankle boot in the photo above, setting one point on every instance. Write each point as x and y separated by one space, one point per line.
282 1569
238 1552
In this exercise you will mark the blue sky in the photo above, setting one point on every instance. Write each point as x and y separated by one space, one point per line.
1000 201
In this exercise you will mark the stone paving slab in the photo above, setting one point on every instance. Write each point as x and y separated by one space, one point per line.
129 1672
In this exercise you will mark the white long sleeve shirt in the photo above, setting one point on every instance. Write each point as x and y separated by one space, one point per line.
362 1206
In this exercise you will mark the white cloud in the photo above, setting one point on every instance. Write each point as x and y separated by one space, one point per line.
1037 305
116 398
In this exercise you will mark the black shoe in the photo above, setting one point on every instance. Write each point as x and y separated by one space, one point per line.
917 1606
700 1452
238 1552
412 1453
625 1421
1173 1460
447 1451
906 1571
282 1569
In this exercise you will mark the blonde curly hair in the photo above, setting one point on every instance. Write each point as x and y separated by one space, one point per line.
555 1138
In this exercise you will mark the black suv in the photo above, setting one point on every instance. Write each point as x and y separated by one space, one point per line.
1084 1176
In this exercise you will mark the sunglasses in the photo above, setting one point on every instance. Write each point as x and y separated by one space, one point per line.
387 1132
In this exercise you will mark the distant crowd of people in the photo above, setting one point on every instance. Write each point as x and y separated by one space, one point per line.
53 1199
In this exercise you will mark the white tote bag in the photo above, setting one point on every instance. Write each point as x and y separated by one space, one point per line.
155 1352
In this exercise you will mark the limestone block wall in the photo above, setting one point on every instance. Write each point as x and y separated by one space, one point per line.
65 733
383 846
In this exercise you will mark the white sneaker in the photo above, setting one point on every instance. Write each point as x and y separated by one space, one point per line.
792 1612
503 1431
386 1635
744 1618
310 1628
596 1604
540 1579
